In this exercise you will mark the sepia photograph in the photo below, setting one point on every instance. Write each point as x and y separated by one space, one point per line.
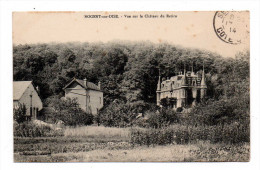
141 86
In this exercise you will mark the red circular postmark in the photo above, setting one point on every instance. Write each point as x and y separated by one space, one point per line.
231 26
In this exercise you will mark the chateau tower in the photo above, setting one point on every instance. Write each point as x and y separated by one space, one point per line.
203 84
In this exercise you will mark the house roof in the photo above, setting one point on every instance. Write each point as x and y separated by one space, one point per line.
19 88
89 85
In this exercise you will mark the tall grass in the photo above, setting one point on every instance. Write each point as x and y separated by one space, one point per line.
180 134
97 132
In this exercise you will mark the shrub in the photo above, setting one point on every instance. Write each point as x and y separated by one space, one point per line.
120 114
19 114
221 112
162 117
29 129
68 111
74 116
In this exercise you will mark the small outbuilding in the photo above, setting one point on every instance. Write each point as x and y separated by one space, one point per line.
24 93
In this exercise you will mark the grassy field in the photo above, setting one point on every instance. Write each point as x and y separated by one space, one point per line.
98 132
101 144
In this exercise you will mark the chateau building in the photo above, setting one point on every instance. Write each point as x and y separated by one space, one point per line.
182 90
89 95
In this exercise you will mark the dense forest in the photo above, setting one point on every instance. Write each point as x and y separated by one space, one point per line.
129 73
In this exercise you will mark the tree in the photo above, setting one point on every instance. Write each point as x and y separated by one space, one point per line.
119 113
128 71
163 117
70 113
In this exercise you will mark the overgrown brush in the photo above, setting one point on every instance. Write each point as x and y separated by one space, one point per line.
29 129
220 152
69 112
65 147
180 134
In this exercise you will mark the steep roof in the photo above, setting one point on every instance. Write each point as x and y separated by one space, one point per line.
19 88
89 85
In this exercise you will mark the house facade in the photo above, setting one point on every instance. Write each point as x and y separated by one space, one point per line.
88 95
182 90
24 93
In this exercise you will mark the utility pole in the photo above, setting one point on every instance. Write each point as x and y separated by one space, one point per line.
31 104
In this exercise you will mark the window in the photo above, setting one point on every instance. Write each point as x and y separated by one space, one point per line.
100 100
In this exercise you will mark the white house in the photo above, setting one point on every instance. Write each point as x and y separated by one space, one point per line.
25 93
89 95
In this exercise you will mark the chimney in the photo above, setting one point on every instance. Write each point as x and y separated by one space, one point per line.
99 85
85 82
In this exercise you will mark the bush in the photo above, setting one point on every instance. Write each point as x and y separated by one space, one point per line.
74 117
68 111
19 114
29 129
161 118
221 112
121 114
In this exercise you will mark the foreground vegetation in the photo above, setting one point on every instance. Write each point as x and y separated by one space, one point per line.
169 153
86 146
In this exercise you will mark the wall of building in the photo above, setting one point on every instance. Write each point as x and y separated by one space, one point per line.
96 100
90 100
78 92
27 100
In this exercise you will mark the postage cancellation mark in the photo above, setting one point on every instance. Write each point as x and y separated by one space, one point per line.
231 26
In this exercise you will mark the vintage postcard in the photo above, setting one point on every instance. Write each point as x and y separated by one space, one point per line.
131 86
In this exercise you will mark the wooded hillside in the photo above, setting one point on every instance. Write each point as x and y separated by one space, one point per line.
127 70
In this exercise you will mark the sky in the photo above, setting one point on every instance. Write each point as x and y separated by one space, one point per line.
187 29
